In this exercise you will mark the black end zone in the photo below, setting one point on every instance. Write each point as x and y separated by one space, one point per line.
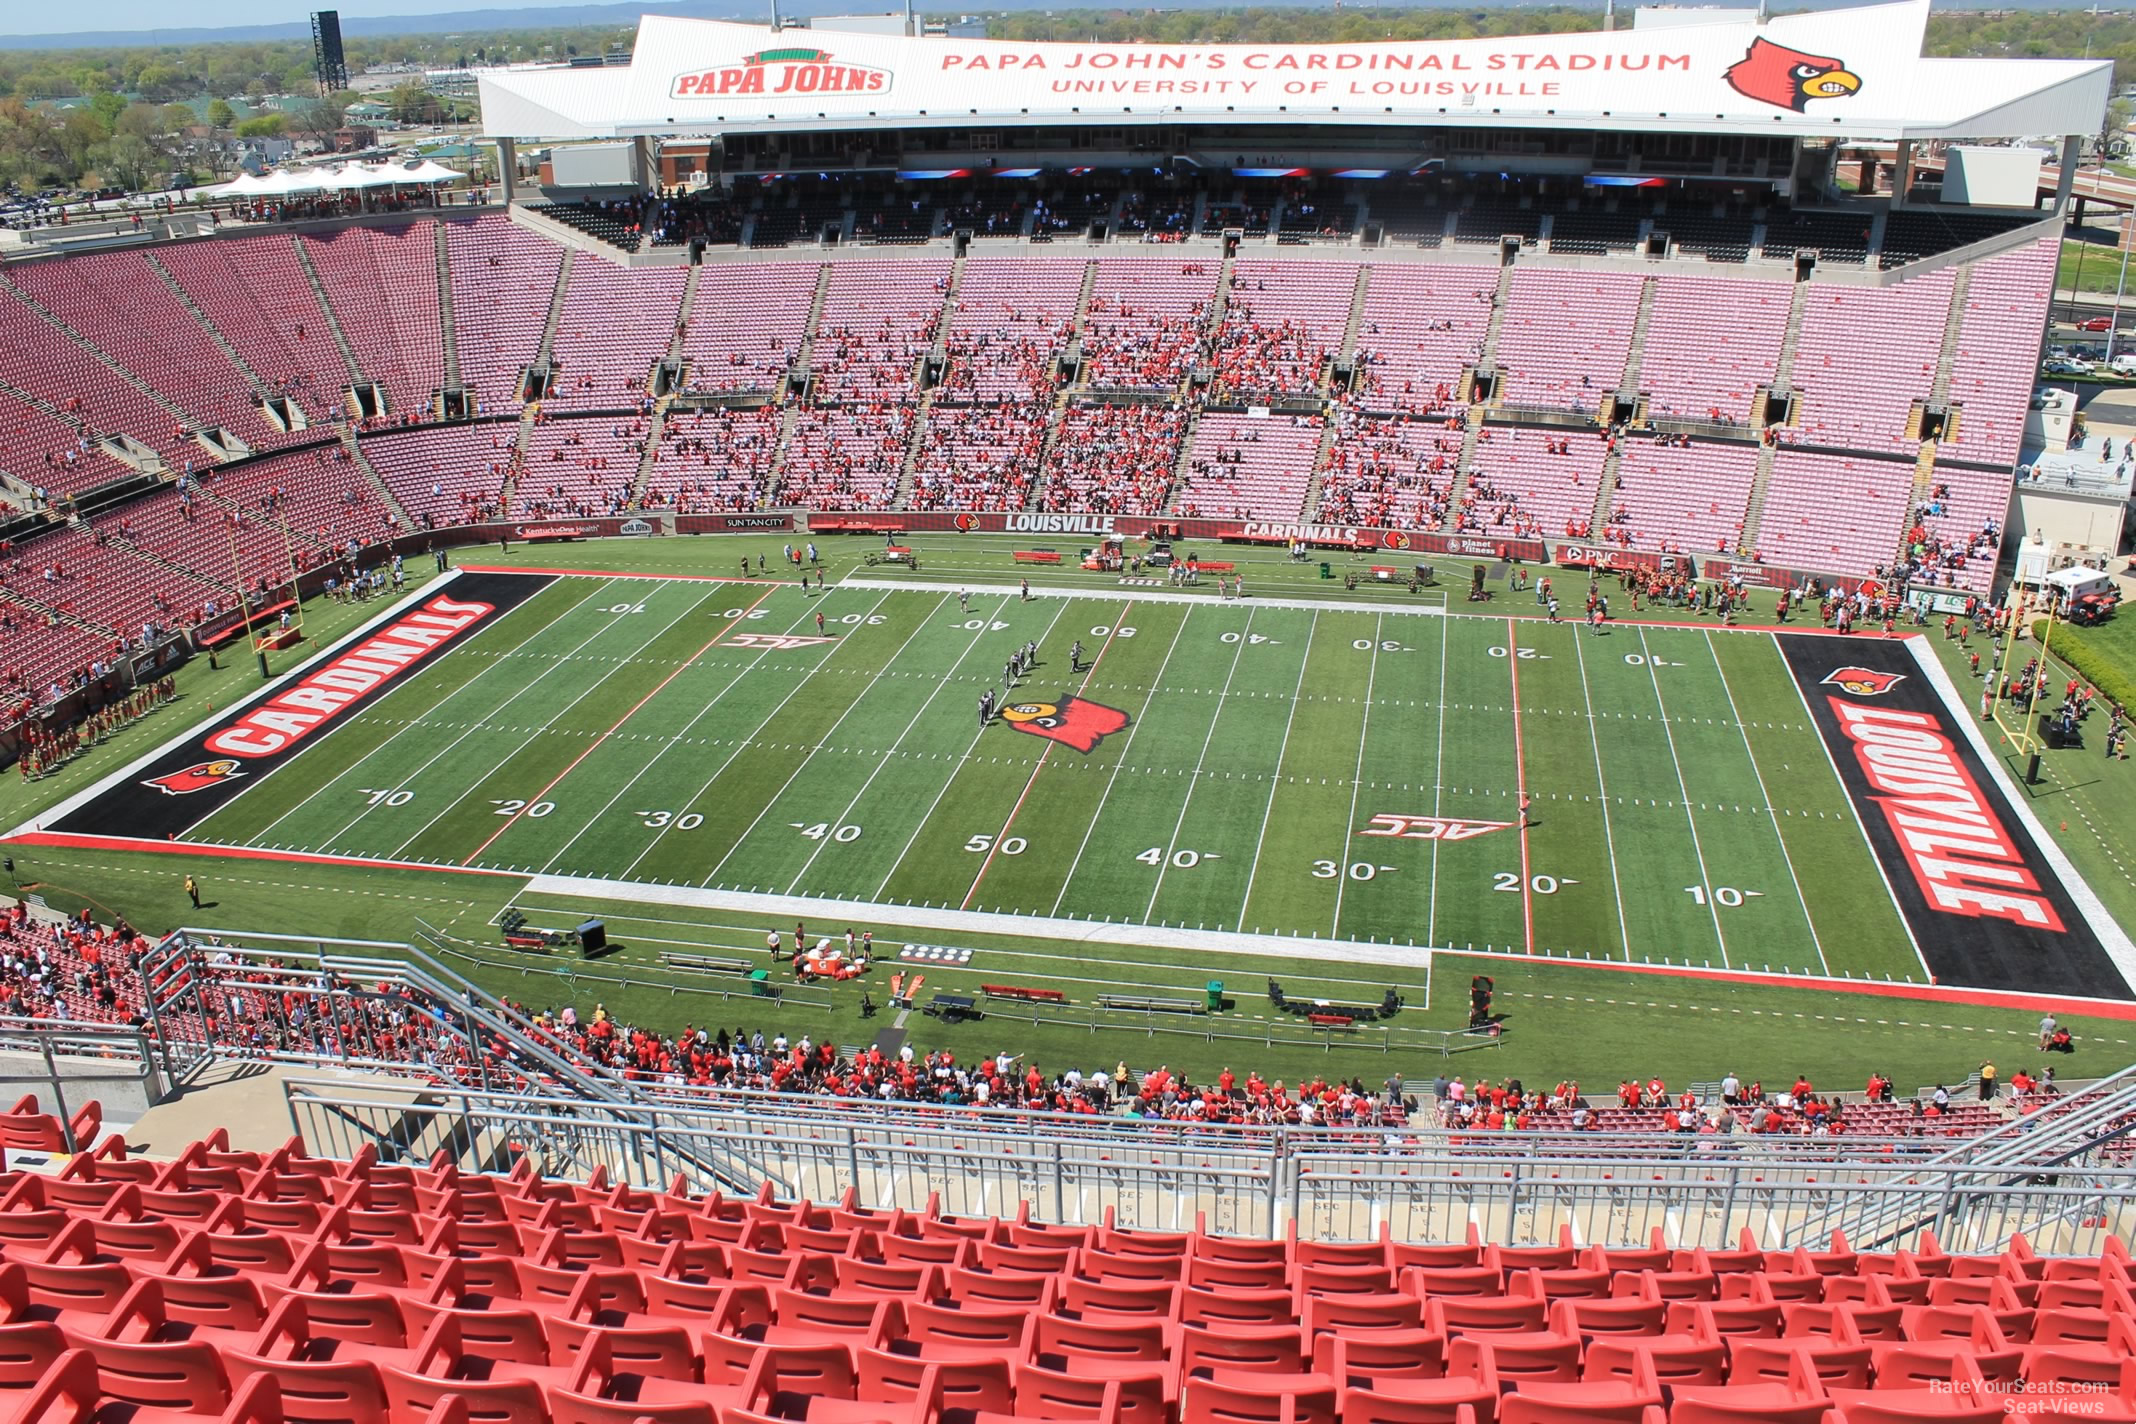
1985 905
183 786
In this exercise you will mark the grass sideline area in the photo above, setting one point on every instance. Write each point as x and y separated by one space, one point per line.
1564 1019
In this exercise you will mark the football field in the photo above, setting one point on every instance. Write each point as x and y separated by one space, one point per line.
1263 767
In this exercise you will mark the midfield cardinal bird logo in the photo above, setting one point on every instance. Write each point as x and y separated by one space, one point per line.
1071 720
1864 682
195 778
1788 78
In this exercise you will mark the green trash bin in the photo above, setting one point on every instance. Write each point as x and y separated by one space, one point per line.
1325 571
1216 995
760 983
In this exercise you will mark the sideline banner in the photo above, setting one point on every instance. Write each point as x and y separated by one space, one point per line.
1146 526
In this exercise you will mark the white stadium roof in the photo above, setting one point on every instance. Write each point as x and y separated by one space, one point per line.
1855 74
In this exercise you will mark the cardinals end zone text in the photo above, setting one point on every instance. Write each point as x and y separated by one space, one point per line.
291 715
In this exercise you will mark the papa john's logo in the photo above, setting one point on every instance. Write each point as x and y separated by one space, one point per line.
1071 720
782 71
1788 78
1864 682
195 778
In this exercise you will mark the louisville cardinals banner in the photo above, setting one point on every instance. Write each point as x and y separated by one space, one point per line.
182 785
1137 526
1986 902
1071 721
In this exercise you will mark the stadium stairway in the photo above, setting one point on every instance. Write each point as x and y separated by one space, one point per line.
333 318
384 491
214 334
445 322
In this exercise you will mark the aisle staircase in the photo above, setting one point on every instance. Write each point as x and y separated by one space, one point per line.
333 322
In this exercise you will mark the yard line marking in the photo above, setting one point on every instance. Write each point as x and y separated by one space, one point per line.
1037 766
1712 905
1113 776
531 734
824 741
1609 843
418 720
1194 777
1766 797
1520 785
743 742
741 673
889 753
960 759
595 745
1276 777
1438 784
1357 780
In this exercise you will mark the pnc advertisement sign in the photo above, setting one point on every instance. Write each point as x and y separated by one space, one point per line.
799 70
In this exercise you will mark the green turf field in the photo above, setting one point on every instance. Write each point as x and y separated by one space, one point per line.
1274 776
1565 1015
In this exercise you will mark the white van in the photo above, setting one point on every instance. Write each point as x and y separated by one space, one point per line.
2070 584
2125 364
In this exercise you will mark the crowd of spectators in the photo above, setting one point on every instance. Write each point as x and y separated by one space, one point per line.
979 457
1115 459
1381 473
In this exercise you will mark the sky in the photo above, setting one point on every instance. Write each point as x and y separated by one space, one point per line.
126 15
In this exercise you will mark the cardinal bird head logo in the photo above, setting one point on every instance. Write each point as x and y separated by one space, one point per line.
195 778
1788 78
1864 682
1071 720
967 521
1396 539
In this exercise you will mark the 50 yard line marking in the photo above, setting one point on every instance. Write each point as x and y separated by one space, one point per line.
1794 879
1609 844
1712 905
1357 779
1438 783
1002 834
1112 778
888 755
1275 777
970 747
1520 786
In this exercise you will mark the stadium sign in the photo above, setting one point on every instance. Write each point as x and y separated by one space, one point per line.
799 70
1052 524
635 527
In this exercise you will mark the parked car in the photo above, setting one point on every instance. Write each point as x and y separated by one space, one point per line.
2067 366
2096 323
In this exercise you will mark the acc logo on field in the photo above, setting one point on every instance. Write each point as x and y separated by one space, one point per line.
967 521
1864 682
772 640
1080 724
195 778
1430 828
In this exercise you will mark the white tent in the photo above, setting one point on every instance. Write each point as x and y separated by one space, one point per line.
429 171
356 175
289 183
245 185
